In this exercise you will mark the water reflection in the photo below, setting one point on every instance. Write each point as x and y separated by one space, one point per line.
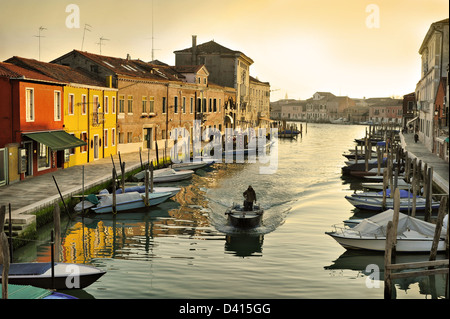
244 245
363 262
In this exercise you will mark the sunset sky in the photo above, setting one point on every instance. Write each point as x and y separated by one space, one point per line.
299 46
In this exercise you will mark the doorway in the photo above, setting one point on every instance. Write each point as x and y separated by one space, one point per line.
96 146
148 138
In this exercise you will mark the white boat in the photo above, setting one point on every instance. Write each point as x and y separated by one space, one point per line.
192 165
141 189
128 201
403 194
376 203
401 184
237 217
166 175
39 274
413 235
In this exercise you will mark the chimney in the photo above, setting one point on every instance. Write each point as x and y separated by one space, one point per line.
128 57
194 50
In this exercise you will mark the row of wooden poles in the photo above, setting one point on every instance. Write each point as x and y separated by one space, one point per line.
417 173
427 268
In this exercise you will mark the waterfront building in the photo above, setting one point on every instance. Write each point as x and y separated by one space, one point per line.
259 103
32 138
89 109
326 107
228 68
409 111
385 110
434 52
154 99
440 121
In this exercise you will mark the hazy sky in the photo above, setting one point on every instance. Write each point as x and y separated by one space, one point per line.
359 48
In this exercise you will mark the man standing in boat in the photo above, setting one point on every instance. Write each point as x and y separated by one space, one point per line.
250 197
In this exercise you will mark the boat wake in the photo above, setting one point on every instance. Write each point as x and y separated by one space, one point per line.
274 216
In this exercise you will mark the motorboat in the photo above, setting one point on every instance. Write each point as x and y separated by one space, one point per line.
240 218
413 235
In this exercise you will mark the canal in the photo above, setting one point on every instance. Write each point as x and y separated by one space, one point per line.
184 249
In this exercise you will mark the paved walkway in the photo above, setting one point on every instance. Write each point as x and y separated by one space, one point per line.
419 151
25 196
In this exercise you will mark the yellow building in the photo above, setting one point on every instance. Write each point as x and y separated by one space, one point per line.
90 115
89 108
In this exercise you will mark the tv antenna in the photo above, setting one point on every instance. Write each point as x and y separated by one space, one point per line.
40 36
100 43
86 28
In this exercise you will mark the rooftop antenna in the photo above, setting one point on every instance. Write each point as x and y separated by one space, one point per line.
40 36
86 28
100 43
153 49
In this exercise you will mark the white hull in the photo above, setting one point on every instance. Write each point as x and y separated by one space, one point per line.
135 203
379 244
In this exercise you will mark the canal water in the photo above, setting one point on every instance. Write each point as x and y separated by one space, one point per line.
184 248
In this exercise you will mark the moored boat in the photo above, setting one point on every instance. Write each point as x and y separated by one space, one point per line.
413 235
166 175
65 275
376 203
128 201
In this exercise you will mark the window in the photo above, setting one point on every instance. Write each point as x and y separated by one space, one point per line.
113 104
57 105
84 138
164 105
220 103
144 104
210 105
199 105
204 105
215 105
72 150
71 104
121 138
130 104
121 103
113 137
105 138
175 104
151 104
43 157
83 104
106 105
191 108
129 137
183 106
30 105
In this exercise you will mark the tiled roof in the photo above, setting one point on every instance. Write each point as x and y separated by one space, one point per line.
56 71
134 68
209 47
188 68
13 71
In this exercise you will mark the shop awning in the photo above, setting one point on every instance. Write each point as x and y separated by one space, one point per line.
56 140
410 121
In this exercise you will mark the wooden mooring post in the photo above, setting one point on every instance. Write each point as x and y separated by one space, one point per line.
391 240
57 230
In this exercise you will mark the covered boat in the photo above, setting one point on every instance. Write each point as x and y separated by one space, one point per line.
129 201
413 235
65 275
141 189
238 217
166 175
401 184
403 194
192 165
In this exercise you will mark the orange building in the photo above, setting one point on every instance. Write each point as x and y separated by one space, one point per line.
32 123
